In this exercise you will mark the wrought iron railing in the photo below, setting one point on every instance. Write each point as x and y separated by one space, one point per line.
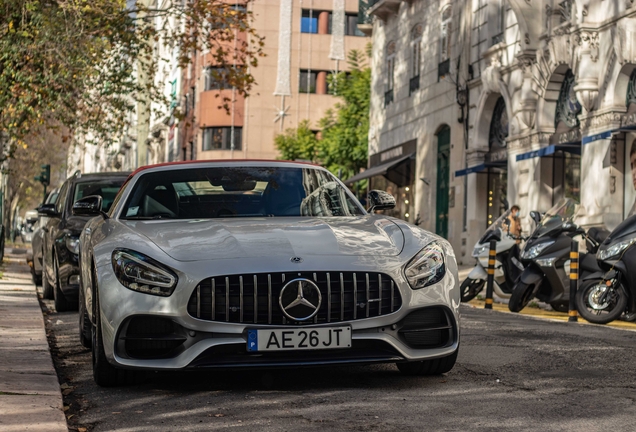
414 84
388 97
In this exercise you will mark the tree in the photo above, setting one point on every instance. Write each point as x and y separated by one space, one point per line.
298 144
84 64
343 147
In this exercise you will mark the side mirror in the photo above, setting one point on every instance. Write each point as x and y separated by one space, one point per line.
380 200
48 210
536 216
88 206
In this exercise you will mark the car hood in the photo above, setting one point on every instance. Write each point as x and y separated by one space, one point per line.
194 240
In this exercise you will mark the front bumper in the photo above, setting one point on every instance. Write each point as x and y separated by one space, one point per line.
196 343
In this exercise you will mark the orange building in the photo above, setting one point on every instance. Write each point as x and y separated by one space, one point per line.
305 41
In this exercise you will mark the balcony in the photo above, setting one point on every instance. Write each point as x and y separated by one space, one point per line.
384 8
388 97
414 84
365 21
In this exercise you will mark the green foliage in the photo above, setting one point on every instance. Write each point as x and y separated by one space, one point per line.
344 144
298 144
85 64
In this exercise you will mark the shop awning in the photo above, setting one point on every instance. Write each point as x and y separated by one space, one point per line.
549 150
383 169
481 167
607 134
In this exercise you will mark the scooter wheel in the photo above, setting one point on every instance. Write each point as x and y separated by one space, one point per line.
596 307
470 288
521 295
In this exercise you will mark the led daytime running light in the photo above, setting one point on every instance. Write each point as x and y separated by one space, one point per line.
143 274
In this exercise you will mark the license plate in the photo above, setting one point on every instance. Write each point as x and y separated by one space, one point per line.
298 339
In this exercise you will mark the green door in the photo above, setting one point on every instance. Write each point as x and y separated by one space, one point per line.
443 180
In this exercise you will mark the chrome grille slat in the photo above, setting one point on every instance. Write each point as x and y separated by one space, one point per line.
240 298
368 289
346 296
198 302
355 296
342 297
328 297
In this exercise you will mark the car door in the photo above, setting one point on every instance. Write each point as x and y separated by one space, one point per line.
51 231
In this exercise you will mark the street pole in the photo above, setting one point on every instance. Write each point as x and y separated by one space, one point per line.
574 281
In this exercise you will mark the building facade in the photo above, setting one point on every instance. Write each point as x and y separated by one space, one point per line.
538 99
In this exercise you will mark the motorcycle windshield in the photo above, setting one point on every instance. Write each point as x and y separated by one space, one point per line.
496 225
564 210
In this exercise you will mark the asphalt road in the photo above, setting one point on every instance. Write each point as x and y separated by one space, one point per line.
513 373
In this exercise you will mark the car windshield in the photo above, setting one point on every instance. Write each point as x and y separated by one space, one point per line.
106 188
219 192
564 210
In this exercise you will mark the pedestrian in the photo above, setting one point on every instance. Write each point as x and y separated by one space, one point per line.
514 228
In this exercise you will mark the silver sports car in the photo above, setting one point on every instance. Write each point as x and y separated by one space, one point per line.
254 264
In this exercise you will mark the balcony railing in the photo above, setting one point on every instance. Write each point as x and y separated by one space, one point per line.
414 84
388 97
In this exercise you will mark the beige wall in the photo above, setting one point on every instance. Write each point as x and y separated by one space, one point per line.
309 51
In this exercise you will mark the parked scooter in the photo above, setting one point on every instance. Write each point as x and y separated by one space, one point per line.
602 300
546 257
507 264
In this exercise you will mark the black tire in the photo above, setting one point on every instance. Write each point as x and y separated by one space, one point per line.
85 336
560 306
47 288
429 367
470 288
104 374
615 306
521 295
61 303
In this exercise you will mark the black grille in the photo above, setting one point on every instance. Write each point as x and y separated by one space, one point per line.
253 298
152 337
429 327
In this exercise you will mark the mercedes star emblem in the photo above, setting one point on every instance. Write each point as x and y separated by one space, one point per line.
296 260
300 299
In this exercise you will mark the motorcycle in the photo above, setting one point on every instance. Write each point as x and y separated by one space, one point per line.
507 264
546 257
602 300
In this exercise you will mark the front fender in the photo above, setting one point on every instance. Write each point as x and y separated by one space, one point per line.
596 275
478 273
531 276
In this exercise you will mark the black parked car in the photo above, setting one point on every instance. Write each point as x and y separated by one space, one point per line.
34 258
60 240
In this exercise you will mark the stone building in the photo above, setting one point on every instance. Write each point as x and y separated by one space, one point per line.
503 102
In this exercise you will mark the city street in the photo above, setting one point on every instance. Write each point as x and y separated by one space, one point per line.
513 372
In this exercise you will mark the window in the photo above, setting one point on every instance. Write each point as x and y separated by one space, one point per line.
351 25
307 82
309 21
499 22
445 35
390 73
416 58
216 78
107 189
220 138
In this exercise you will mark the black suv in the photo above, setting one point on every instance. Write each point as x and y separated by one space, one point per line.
60 240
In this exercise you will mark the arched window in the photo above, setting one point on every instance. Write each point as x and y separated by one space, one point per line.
498 126
568 106
445 35
416 50
630 97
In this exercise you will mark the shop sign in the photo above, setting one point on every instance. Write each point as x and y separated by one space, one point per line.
392 153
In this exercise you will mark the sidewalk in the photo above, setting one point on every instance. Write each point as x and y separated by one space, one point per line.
30 397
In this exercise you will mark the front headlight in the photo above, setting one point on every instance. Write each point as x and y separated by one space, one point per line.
72 244
479 250
534 251
427 267
614 250
141 273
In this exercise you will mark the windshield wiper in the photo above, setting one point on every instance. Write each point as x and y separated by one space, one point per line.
156 217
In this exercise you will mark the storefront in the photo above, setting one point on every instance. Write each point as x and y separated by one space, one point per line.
393 171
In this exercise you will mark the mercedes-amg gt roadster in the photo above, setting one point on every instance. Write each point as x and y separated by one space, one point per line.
232 264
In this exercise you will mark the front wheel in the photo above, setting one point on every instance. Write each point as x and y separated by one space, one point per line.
61 303
470 288
600 304
429 367
521 295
